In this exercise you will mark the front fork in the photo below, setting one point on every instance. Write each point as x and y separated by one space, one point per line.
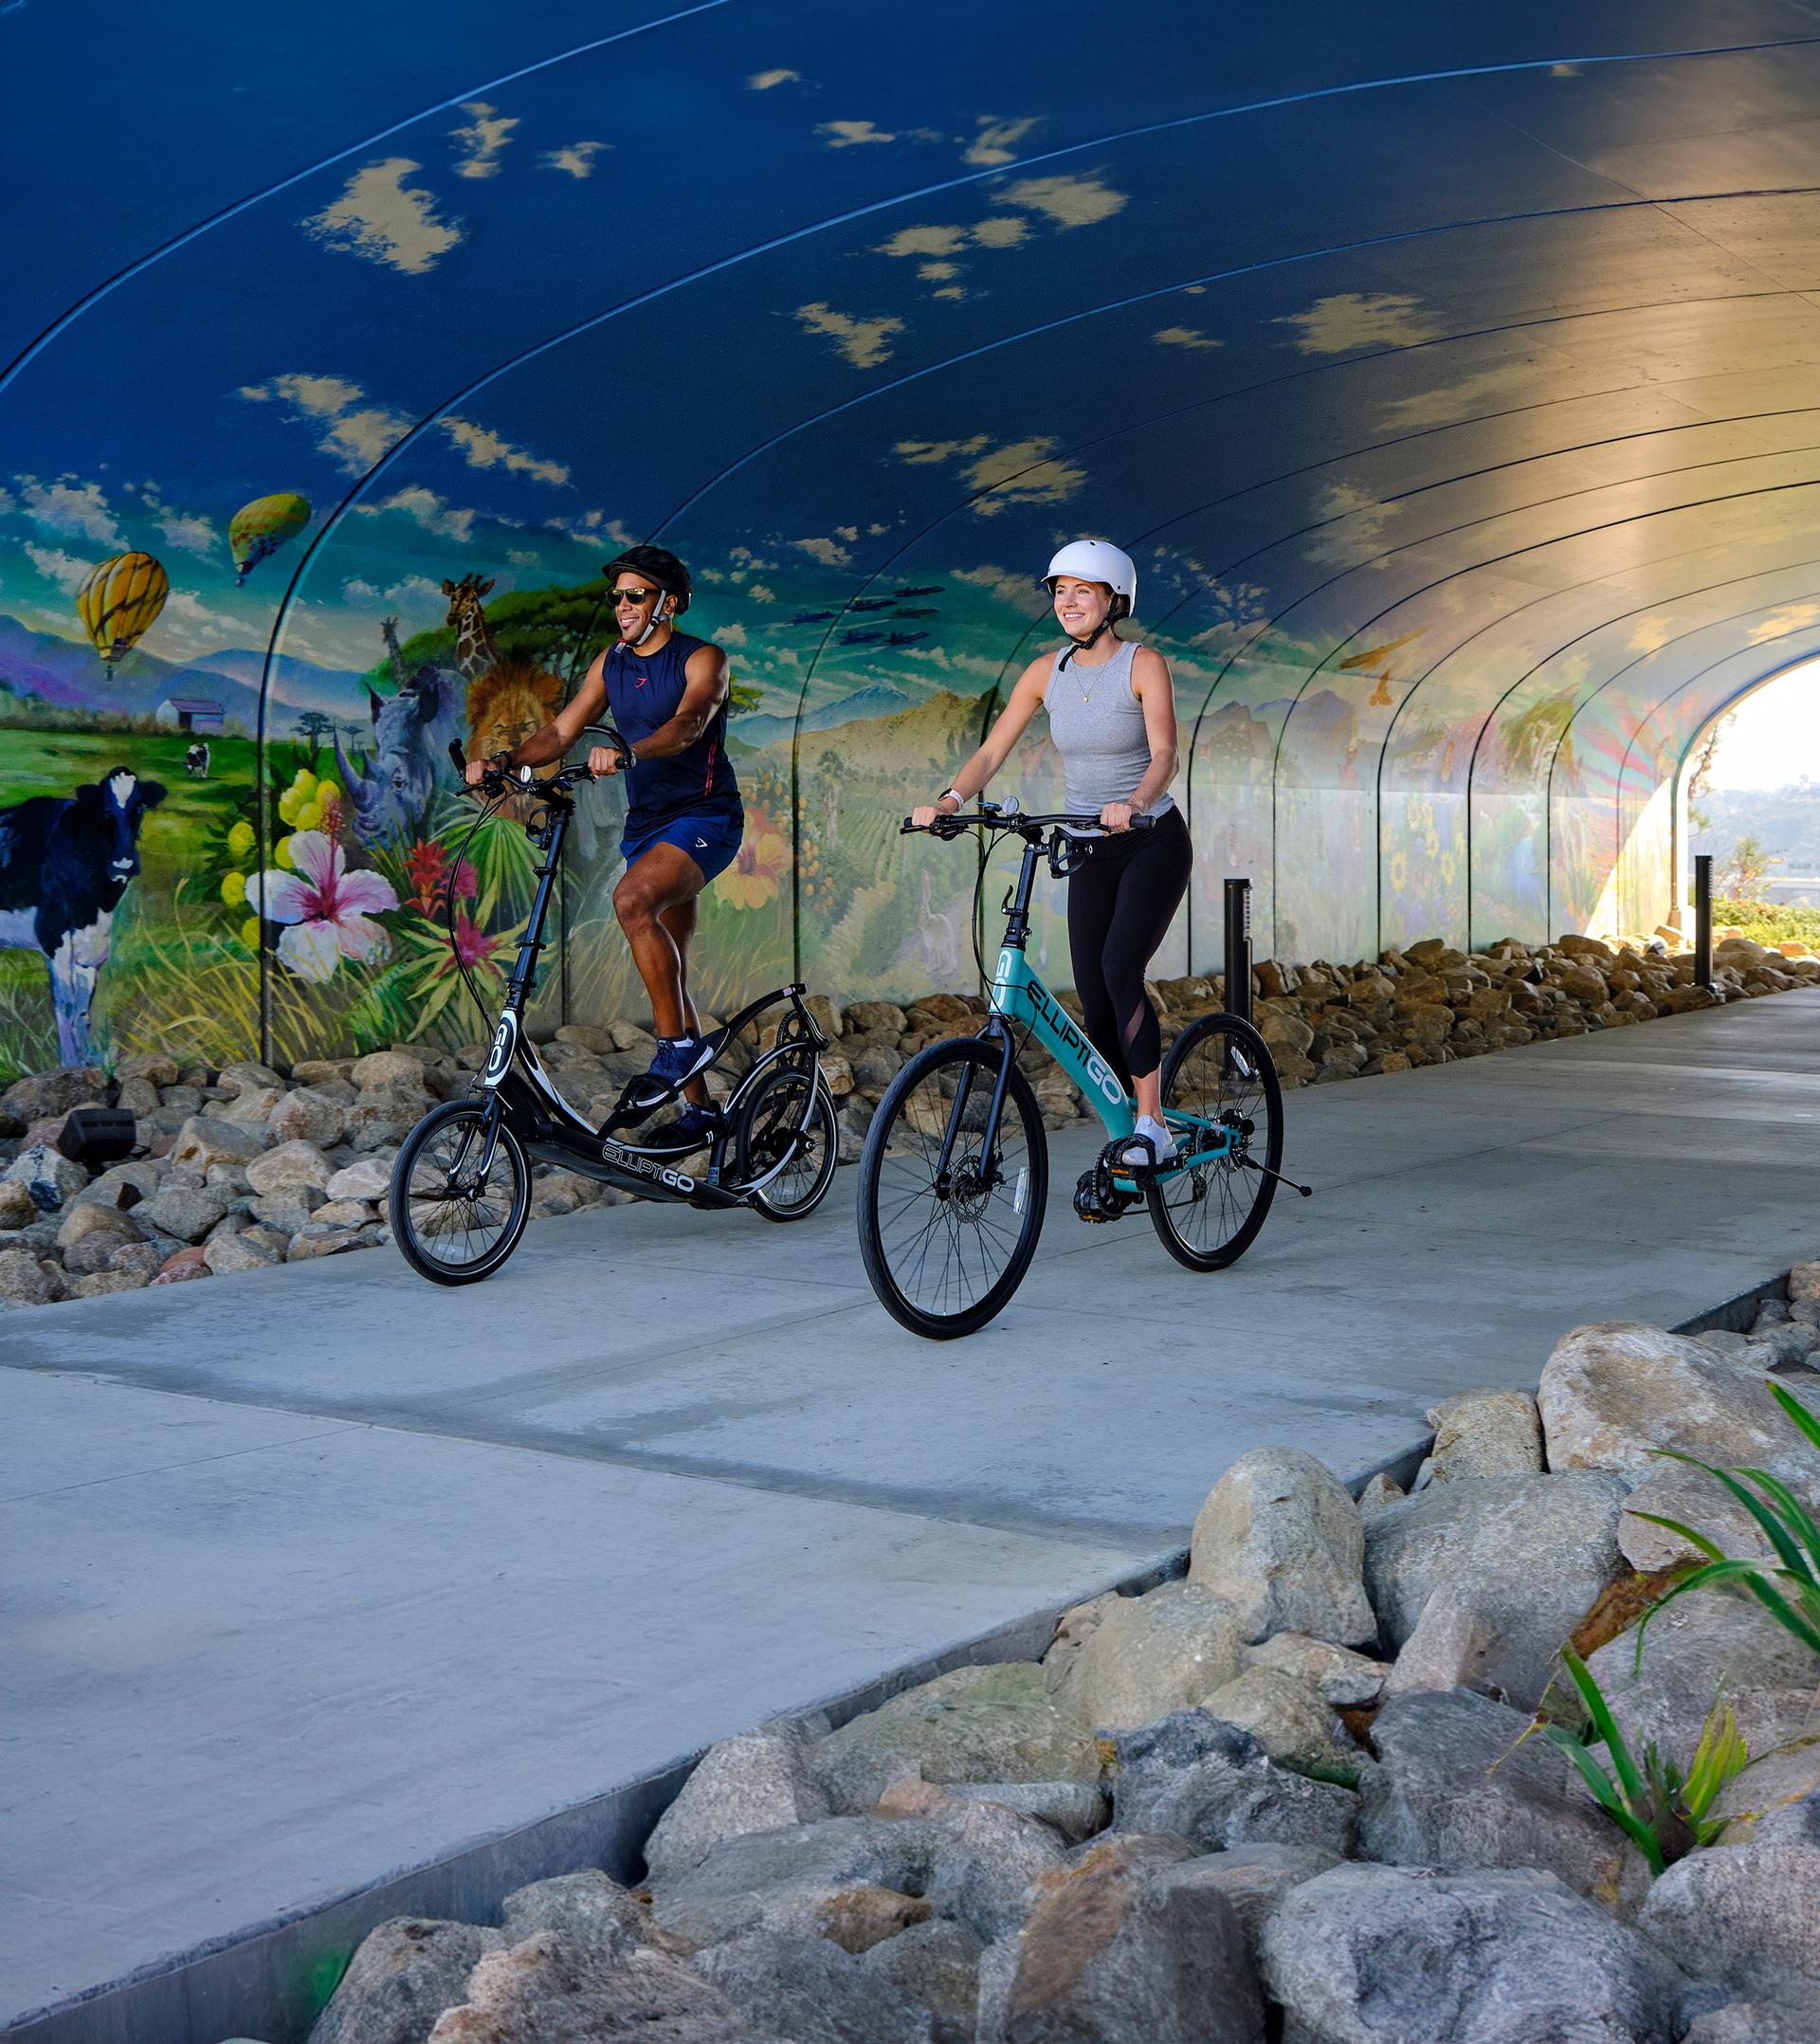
989 1136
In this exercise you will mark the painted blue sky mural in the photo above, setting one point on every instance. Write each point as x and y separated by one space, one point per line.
1451 374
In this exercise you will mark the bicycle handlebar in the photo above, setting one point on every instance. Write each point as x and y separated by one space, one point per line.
993 819
496 781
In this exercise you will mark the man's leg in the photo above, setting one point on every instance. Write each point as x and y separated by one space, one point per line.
679 919
658 881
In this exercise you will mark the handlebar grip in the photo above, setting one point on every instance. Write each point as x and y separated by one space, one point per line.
460 758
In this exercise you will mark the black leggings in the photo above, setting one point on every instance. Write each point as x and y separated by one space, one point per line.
1122 900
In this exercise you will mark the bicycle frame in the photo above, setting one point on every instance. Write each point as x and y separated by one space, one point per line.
1020 1000
518 1087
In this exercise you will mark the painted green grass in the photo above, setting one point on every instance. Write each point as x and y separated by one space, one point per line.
149 928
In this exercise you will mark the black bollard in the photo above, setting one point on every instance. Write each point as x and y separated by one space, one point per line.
1703 920
1238 948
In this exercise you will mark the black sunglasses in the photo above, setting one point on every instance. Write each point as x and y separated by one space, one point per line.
636 595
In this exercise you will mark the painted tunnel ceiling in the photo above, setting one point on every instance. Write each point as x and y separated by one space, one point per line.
1452 374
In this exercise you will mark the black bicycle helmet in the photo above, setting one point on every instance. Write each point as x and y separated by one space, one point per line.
661 567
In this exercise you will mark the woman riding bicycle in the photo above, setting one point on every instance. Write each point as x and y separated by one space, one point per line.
668 694
1112 715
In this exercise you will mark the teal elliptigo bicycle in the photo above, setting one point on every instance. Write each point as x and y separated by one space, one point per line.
956 1171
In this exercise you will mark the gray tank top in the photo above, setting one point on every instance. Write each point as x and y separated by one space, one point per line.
1098 726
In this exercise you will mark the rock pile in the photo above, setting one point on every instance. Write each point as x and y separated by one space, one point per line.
1283 1797
245 1166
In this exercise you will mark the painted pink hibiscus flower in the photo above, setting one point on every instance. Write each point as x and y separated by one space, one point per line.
329 910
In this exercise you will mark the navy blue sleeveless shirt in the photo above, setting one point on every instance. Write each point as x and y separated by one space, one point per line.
643 692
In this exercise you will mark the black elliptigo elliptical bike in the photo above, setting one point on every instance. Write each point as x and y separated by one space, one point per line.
460 1186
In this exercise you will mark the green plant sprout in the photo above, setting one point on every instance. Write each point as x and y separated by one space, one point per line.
1662 1812
1787 1586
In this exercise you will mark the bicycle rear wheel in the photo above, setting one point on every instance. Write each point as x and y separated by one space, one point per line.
946 1249
1221 1072
451 1228
789 1114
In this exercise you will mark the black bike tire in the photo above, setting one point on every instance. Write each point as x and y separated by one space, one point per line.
825 1110
1229 1251
1019 1098
398 1203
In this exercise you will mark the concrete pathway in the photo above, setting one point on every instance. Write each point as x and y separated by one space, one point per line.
321 1573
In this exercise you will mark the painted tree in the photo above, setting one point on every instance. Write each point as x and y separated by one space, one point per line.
313 727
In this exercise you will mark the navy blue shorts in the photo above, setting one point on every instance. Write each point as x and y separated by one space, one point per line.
712 841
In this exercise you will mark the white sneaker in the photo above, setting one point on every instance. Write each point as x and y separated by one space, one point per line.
1162 1141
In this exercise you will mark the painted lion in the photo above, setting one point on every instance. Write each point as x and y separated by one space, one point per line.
506 705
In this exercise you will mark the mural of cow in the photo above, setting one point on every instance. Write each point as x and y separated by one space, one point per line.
392 790
64 863
196 761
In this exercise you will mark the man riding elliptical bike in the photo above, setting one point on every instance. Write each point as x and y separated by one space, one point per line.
667 693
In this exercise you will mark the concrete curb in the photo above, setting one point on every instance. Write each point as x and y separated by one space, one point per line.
268 1980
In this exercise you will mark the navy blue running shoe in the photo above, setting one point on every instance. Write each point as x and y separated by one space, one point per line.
693 1129
679 1058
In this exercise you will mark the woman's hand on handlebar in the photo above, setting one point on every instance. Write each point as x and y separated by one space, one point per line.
925 813
1116 816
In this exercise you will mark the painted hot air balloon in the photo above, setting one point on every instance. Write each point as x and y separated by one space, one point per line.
263 526
119 601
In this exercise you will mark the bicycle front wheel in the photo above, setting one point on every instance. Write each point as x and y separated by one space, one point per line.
1220 1072
452 1227
946 1245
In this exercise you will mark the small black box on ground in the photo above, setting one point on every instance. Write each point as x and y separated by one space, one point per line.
94 1135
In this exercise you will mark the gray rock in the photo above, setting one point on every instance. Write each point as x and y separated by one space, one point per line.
755 1781
94 1220
1380 1493
853 1879
1076 1810
24 1279
321 1239
1255 1878
1672 1491
18 1209
1452 1788
986 1859
42 1094
1793 2021
203 1139
1364 1953
813 1993
1484 1434
1140 1657
248 1074
1698 1641
991 1724
367 1177
1295 1726
937 1964
186 1215
1479 1582
1777 1797
406 1973
588 1907
997 1970
1614 1391
549 1990
1212 1783
1337 1674
1281 1539
48 1174
1124 1950
289 1168
158 1067
251 1107
306 1115
387 1068
97 1284
1744 1915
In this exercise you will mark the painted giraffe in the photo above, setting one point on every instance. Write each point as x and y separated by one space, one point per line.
390 626
475 653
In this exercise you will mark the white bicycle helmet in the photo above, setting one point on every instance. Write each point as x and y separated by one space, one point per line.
1098 561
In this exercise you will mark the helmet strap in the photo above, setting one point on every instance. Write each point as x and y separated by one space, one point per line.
658 616
1092 639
